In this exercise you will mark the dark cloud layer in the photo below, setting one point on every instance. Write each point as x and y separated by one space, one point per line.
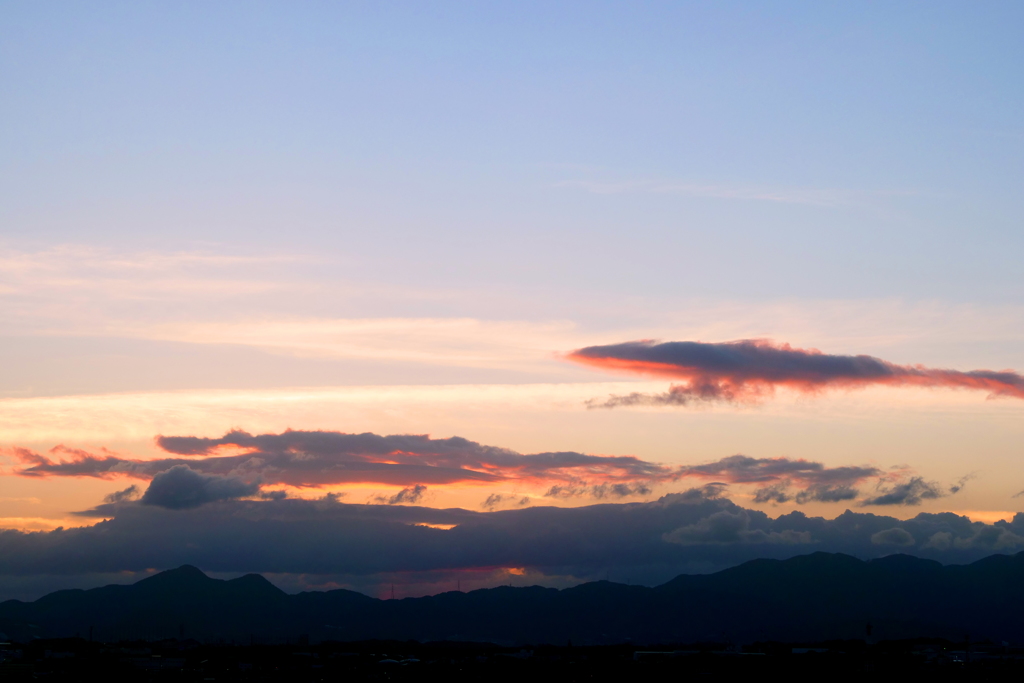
308 458
748 370
693 531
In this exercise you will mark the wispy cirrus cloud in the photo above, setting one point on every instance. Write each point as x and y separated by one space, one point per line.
463 342
94 275
253 300
750 370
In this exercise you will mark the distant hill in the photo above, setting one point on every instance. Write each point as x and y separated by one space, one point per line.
807 598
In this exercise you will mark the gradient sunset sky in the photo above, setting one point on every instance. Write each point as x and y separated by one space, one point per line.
503 257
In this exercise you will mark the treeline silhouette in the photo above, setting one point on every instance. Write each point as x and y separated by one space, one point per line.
813 597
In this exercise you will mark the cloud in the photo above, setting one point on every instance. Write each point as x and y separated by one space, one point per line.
411 494
776 493
910 492
495 500
729 527
743 469
81 464
991 538
894 536
819 483
181 488
317 458
693 531
827 494
750 370
940 540
123 496
820 493
598 490
320 458
955 488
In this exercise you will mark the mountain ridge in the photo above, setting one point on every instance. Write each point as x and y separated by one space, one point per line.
817 596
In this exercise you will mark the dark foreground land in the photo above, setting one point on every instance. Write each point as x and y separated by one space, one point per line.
803 617
173 660
806 598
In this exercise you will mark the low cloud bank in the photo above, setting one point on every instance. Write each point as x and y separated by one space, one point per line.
750 370
693 531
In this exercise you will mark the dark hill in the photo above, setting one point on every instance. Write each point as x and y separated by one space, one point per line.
808 598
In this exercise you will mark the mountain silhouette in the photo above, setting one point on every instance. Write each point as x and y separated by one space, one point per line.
813 597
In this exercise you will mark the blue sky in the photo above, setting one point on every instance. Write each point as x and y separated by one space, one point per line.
752 149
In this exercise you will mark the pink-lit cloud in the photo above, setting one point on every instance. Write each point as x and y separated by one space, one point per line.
320 458
750 370
241 464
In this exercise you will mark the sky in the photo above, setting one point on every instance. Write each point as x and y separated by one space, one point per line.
485 278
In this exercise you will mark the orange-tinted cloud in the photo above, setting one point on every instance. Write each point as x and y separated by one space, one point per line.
240 462
748 370
318 458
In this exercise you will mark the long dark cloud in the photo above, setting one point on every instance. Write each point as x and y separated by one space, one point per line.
692 531
317 458
749 370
